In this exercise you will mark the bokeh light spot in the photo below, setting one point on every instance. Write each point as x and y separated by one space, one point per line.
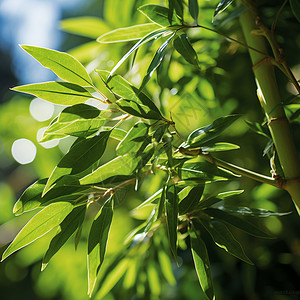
23 151
41 110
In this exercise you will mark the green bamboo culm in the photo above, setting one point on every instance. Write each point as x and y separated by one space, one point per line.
271 103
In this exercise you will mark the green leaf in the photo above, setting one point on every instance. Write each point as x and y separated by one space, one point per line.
132 100
191 201
67 227
171 207
194 9
166 266
155 34
203 171
205 203
185 48
62 93
82 154
128 33
121 165
205 134
224 239
259 129
97 243
112 278
252 212
202 265
295 6
85 26
39 225
158 14
79 120
222 6
62 64
236 221
176 5
158 57
153 279
219 147
66 190
134 139
117 133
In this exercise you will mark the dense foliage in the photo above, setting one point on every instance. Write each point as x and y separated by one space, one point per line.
150 144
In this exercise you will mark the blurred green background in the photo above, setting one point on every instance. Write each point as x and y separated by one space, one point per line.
226 85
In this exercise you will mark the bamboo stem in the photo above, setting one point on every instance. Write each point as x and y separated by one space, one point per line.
269 98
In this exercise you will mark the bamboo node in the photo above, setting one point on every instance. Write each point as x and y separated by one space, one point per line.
277 119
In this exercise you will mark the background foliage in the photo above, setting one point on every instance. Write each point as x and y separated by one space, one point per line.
220 84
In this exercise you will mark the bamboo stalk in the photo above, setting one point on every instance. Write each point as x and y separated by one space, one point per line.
270 101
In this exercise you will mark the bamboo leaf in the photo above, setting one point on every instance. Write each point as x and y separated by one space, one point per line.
44 221
128 33
134 139
185 48
121 165
222 6
251 212
67 227
166 266
224 239
191 201
61 93
158 14
176 5
79 120
171 207
205 134
132 100
203 172
97 243
194 9
155 34
153 279
202 265
62 64
236 221
85 26
66 189
81 156
222 146
158 57
295 6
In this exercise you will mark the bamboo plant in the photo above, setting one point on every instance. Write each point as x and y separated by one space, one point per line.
153 146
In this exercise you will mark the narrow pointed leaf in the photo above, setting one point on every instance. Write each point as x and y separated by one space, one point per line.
295 5
39 225
97 243
222 6
202 265
65 190
62 93
205 134
62 64
121 165
131 33
81 156
155 34
166 266
204 171
132 100
191 201
194 9
85 26
153 279
67 227
158 57
236 221
158 14
185 48
171 206
219 147
134 139
224 239
79 120
177 5
251 212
